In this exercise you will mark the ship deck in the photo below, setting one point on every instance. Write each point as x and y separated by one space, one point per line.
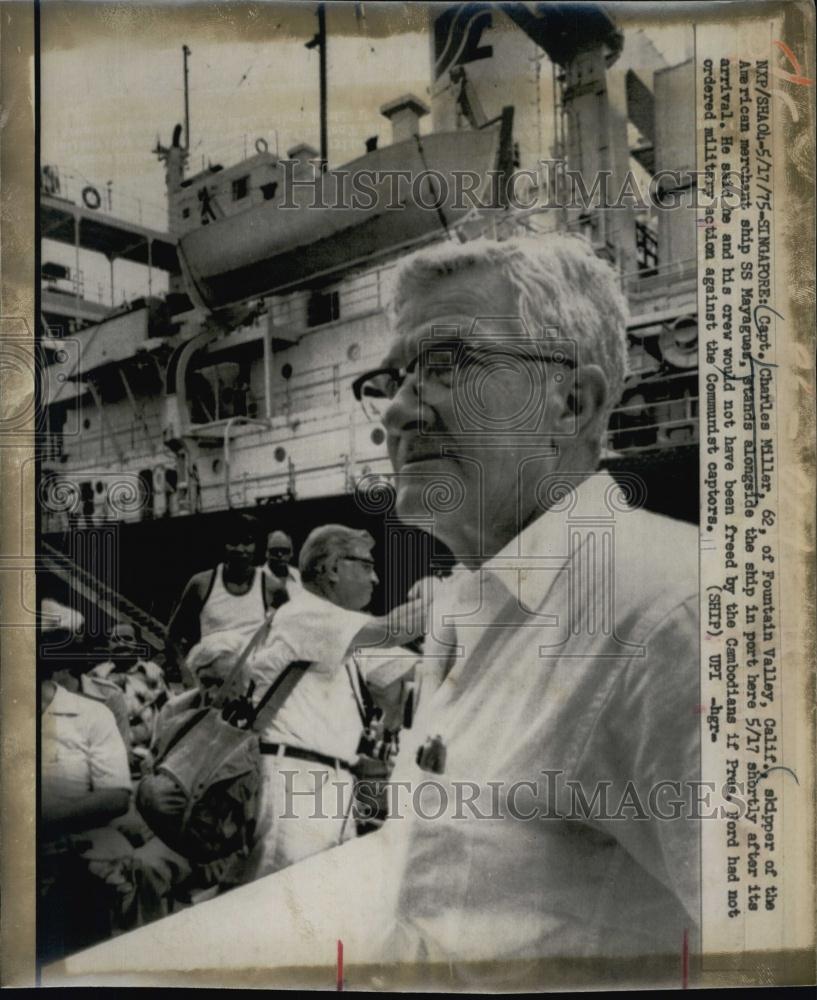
67 222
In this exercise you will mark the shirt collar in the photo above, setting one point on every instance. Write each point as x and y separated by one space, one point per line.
544 538
62 703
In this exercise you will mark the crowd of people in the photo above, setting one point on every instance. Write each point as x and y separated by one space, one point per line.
111 716
559 655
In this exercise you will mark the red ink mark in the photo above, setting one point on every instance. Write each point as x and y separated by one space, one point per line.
685 960
340 965
700 709
797 76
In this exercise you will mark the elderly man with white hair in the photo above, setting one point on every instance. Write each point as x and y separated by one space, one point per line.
160 869
554 750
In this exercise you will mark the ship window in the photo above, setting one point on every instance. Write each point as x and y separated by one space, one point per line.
241 187
323 307
268 190
185 213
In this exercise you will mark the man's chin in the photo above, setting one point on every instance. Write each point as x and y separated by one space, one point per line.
428 488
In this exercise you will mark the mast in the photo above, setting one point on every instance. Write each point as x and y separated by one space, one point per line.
185 53
319 42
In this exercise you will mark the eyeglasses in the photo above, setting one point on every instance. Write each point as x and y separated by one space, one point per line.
443 363
366 562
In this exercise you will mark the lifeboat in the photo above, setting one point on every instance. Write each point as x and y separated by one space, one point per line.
311 228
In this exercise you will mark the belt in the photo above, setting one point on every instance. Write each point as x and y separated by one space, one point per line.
299 754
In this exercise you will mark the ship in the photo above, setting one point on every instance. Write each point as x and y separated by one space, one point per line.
231 391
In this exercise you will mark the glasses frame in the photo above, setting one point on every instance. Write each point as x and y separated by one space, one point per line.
366 562
399 375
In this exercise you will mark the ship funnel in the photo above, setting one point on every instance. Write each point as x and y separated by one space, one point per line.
404 113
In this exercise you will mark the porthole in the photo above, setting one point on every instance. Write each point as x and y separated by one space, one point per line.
280 454
378 435
286 371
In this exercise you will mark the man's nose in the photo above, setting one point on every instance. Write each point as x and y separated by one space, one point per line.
407 408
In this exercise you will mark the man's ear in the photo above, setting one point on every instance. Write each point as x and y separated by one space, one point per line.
330 570
582 398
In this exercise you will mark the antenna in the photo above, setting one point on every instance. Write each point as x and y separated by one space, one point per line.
185 53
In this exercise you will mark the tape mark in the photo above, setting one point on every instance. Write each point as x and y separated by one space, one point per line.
685 960
796 77
340 965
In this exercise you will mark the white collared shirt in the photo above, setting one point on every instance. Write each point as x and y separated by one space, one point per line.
545 682
82 750
322 713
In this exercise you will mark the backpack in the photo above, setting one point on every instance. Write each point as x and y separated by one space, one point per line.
213 759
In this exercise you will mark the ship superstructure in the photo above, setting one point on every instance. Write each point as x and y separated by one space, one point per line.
232 389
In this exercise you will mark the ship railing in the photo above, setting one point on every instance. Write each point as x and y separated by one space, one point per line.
664 275
105 198
362 296
657 413
75 286
327 385
140 438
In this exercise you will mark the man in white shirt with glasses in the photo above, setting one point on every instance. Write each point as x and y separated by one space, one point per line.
310 745
556 736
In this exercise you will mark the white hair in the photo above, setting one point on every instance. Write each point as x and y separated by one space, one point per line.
326 541
212 647
558 281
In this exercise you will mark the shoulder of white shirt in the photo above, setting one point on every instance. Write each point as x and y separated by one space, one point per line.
69 703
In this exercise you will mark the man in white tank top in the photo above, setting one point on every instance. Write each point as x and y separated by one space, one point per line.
235 596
